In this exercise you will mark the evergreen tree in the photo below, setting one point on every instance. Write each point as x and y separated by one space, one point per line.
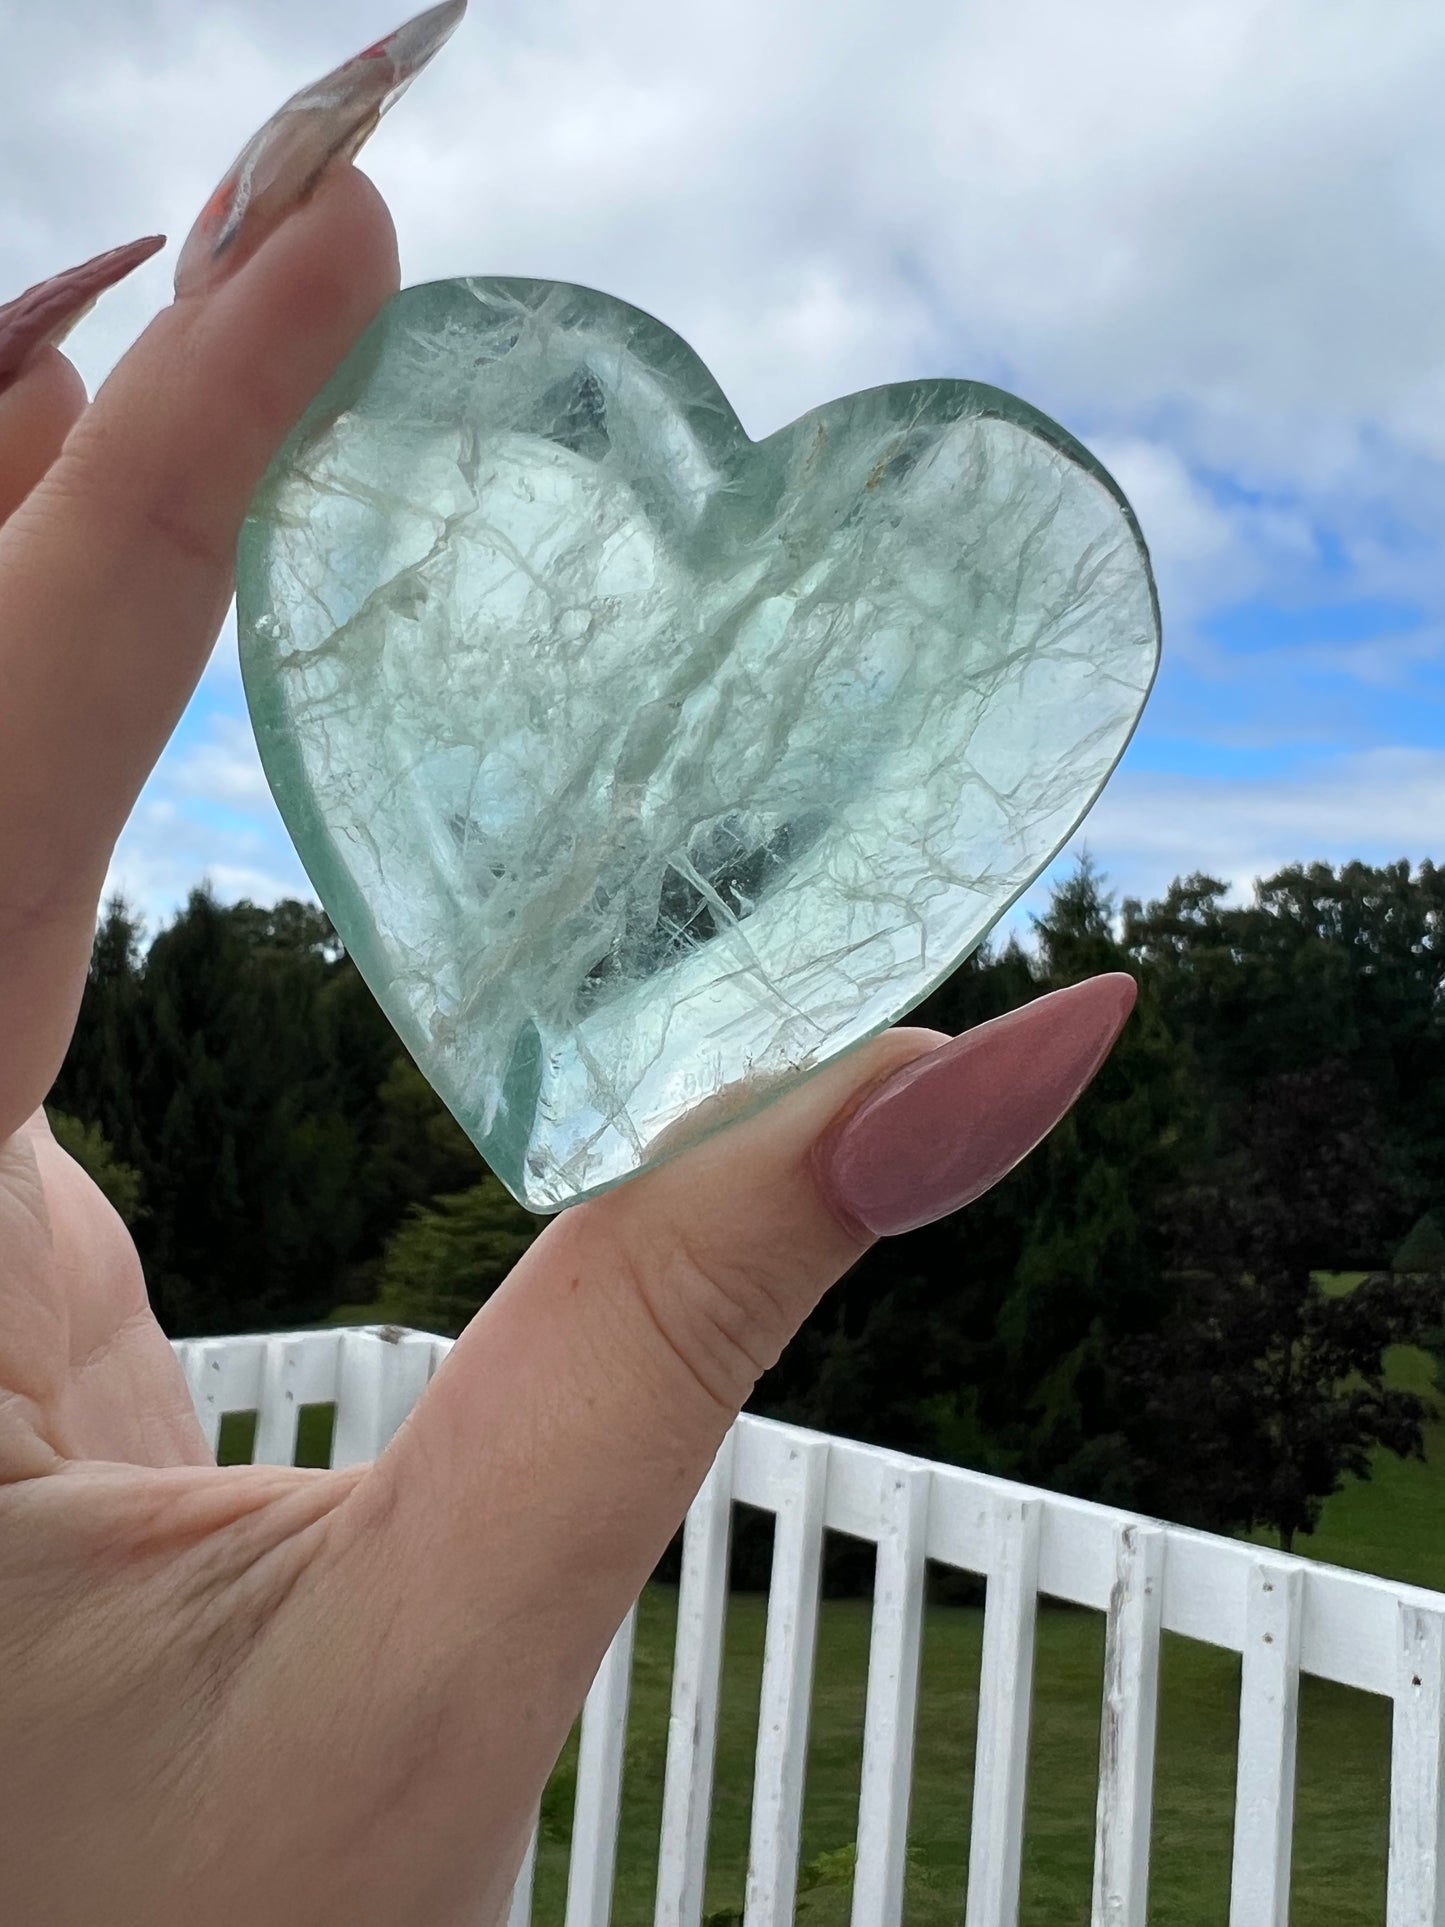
1324 965
251 1170
418 1150
1089 1271
911 1324
449 1256
1422 1249
990 1339
96 1082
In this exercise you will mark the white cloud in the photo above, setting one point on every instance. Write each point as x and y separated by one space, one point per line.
1232 207
1187 529
1209 236
162 857
1379 805
226 768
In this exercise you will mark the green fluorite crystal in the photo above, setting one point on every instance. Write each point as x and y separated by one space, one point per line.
637 762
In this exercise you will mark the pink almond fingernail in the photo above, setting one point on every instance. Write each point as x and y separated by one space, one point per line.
47 312
940 1132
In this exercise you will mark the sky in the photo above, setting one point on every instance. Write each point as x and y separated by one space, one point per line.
1207 237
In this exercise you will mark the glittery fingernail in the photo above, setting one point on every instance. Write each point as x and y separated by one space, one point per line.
937 1134
47 312
325 124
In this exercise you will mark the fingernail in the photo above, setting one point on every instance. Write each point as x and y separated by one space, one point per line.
47 312
936 1135
326 123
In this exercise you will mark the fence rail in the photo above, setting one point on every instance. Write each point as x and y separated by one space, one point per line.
1285 1616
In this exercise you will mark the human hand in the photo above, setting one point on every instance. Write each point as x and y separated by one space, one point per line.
269 1694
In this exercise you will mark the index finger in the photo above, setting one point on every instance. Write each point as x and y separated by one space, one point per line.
41 395
116 571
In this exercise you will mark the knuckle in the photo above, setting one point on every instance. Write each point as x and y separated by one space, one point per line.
723 1319
178 522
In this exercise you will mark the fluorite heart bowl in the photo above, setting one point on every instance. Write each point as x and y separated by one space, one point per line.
640 764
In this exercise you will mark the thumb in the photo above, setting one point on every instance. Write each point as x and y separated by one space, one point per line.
572 1424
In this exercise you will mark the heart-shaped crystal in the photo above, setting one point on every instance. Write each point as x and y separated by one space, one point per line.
638 763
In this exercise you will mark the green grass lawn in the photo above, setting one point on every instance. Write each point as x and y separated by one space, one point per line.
1341 1832
1390 1525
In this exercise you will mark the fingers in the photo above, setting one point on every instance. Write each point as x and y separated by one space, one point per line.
41 395
576 1418
71 1290
116 570
46 313
37 412
115 573
327 122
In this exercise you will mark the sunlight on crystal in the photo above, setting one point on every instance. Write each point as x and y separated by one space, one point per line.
635 761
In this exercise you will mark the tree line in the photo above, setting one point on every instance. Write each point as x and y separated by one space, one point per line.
1150 1311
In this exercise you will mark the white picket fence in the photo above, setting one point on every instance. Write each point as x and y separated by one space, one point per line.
1285 1616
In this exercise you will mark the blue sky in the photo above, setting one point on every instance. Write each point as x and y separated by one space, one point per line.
1208 237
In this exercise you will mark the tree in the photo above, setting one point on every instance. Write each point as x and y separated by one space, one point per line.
1262 1391
1090 1267
251 1168
991 1339
97 1080
1324 965
449 1256
119 1184
910 1325
418 1150
242 1074
1422 1249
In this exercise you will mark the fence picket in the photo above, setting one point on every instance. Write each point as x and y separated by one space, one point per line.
519 1912
1268 1727
1005 1705
696 1679
788 1650
1416 1890
1126 1735
379 1379
894 1649
223 1375
192 1356
298 1368
600 1756
278 1411
1285 1616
